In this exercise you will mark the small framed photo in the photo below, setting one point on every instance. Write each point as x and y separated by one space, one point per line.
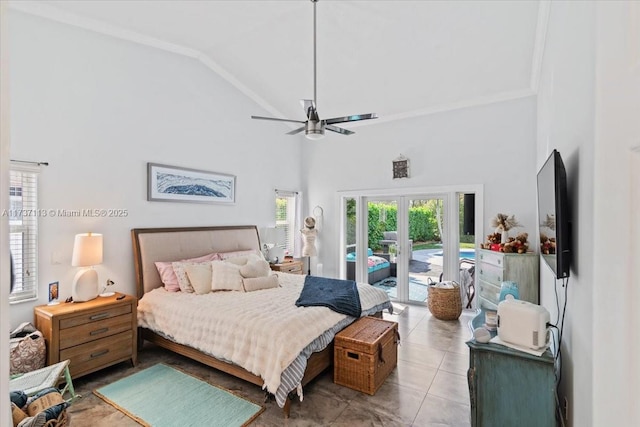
54 293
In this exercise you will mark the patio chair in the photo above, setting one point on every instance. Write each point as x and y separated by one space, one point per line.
391 238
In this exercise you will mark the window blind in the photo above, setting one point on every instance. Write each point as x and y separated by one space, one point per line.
286 217
23 232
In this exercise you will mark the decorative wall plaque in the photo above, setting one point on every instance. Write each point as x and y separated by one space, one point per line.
401 167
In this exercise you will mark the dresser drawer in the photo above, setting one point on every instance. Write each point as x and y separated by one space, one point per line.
492 257
81 334
489 291
87 357
95 316
491 273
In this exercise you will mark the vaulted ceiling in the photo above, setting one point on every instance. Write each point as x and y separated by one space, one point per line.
395 58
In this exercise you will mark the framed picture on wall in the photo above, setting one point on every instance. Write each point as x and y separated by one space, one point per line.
176 184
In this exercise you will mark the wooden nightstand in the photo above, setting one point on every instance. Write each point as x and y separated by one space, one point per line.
92 335
291 267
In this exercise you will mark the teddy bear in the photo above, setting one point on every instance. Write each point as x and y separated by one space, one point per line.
547 244
517 245
492 239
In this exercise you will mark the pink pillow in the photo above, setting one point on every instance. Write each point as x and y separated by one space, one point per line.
168 276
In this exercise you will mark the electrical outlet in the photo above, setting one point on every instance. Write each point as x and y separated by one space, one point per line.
566 409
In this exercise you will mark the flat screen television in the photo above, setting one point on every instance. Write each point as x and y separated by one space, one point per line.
553 216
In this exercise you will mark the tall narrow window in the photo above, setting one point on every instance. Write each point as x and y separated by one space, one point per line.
286 217
23 233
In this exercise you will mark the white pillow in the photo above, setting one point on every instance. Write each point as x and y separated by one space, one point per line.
257 268
225 276
245 258
258 283
200 277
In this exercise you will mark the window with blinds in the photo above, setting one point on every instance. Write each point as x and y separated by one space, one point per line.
286 217
23 233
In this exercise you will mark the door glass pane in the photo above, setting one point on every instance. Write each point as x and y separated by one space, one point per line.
382 245
350 237
467 246
426 228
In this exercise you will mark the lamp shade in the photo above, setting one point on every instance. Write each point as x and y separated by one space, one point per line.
87 250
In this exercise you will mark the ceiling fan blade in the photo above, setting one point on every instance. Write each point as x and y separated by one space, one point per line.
295 131
339 130
353 118
277 120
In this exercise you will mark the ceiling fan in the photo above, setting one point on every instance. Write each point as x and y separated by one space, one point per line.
314 127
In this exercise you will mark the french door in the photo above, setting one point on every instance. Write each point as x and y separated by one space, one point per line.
401 242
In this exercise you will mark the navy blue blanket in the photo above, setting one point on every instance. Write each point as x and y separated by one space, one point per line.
339 295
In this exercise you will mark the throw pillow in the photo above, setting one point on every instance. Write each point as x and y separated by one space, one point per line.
258 283
225 276
200 277
256 268
240 257
168 276
181 274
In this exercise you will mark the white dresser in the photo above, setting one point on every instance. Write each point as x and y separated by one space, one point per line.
496 267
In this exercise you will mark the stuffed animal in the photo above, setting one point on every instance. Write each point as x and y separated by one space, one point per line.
547 244
517 245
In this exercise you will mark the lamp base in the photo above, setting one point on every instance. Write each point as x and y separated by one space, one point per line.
85 285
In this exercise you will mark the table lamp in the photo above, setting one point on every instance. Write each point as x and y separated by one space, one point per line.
272 238
87 252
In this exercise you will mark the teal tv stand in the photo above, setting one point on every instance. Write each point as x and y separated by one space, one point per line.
508 387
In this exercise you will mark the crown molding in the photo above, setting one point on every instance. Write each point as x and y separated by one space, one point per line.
55 14
443 108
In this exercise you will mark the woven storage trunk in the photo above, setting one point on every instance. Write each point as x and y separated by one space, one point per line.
444 304
365 353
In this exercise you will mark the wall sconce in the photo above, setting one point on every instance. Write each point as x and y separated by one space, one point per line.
87 252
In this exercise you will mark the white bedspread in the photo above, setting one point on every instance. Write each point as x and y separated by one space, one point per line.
261 331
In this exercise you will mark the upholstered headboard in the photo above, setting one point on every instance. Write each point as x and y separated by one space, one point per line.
174 244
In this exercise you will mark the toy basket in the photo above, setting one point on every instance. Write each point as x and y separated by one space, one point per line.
444 303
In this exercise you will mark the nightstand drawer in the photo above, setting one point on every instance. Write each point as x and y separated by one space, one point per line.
293 267
81 334
95 316
101 352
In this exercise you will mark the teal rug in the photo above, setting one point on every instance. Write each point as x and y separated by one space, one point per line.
161 396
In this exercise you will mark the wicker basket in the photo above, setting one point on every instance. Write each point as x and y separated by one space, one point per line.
61 421
444 304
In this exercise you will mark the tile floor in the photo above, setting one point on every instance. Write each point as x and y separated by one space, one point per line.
428 388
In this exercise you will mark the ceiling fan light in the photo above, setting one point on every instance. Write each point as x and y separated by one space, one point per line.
314 130
314 135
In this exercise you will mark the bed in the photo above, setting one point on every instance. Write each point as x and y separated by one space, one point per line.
378 268
159 311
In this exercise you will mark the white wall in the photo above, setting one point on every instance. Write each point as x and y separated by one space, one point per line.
493 145
588 107
98 109
616 374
